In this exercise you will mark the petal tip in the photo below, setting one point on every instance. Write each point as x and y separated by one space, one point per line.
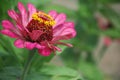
45 52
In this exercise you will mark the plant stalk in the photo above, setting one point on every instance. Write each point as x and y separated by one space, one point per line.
27 65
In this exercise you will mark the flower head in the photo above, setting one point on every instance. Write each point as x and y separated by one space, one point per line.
35 29
107 41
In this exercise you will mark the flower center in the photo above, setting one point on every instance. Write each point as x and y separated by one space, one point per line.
43 22
43 18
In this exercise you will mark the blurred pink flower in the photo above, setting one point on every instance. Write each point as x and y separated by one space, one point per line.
36 29
102 21
107 41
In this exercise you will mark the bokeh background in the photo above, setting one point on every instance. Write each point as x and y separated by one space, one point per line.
96 51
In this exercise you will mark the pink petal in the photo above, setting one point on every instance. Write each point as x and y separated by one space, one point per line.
45 52
9 33
53 14
19 43
20 27
39 46
63 26
64 34
69 31
30 45
35 34
14 15
7 24
69 24
65 31
107 41
23 13
65 44
57 48
60 19
31 10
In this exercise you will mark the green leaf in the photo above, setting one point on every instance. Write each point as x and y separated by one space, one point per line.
61 72
90 71
10 73
37 76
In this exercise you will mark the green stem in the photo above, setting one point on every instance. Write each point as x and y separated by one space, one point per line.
27 65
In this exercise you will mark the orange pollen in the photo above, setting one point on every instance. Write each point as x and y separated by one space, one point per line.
44 18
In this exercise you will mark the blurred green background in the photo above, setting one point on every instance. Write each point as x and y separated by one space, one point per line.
95 55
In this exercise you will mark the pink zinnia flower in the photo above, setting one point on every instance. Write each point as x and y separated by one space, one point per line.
36 29
107 41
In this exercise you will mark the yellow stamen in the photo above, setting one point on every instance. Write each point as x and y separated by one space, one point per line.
48 21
